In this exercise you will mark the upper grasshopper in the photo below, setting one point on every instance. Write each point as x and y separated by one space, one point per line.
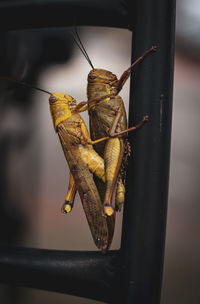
107 117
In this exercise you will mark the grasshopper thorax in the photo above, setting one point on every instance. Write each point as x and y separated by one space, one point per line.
61 107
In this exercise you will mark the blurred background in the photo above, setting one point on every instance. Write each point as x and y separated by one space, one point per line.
34 172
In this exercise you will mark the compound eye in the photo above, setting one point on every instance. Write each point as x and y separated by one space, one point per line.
93 76
67 97
53 99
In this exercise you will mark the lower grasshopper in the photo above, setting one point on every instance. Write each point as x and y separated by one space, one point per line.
82 160
108 116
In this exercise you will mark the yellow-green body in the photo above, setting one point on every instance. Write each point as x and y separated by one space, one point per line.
82 160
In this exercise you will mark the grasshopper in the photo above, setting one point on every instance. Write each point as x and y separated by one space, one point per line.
82 160
107 117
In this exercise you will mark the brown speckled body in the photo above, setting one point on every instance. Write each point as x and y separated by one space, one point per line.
102 115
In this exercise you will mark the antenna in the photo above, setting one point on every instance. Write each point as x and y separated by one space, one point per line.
81 46
23 84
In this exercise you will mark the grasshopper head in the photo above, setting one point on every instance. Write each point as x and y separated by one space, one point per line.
101 82
59 98
61 107
100 75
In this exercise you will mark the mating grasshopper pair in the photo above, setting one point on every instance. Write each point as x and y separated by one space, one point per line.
108 127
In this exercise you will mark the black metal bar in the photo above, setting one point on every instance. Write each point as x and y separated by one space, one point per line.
144 221
20 14
86 274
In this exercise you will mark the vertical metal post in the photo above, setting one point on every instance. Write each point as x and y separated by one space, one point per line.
144 222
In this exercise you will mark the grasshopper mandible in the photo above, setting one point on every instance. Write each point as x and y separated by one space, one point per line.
107 117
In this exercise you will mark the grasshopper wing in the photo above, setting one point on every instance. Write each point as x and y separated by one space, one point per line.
88 192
